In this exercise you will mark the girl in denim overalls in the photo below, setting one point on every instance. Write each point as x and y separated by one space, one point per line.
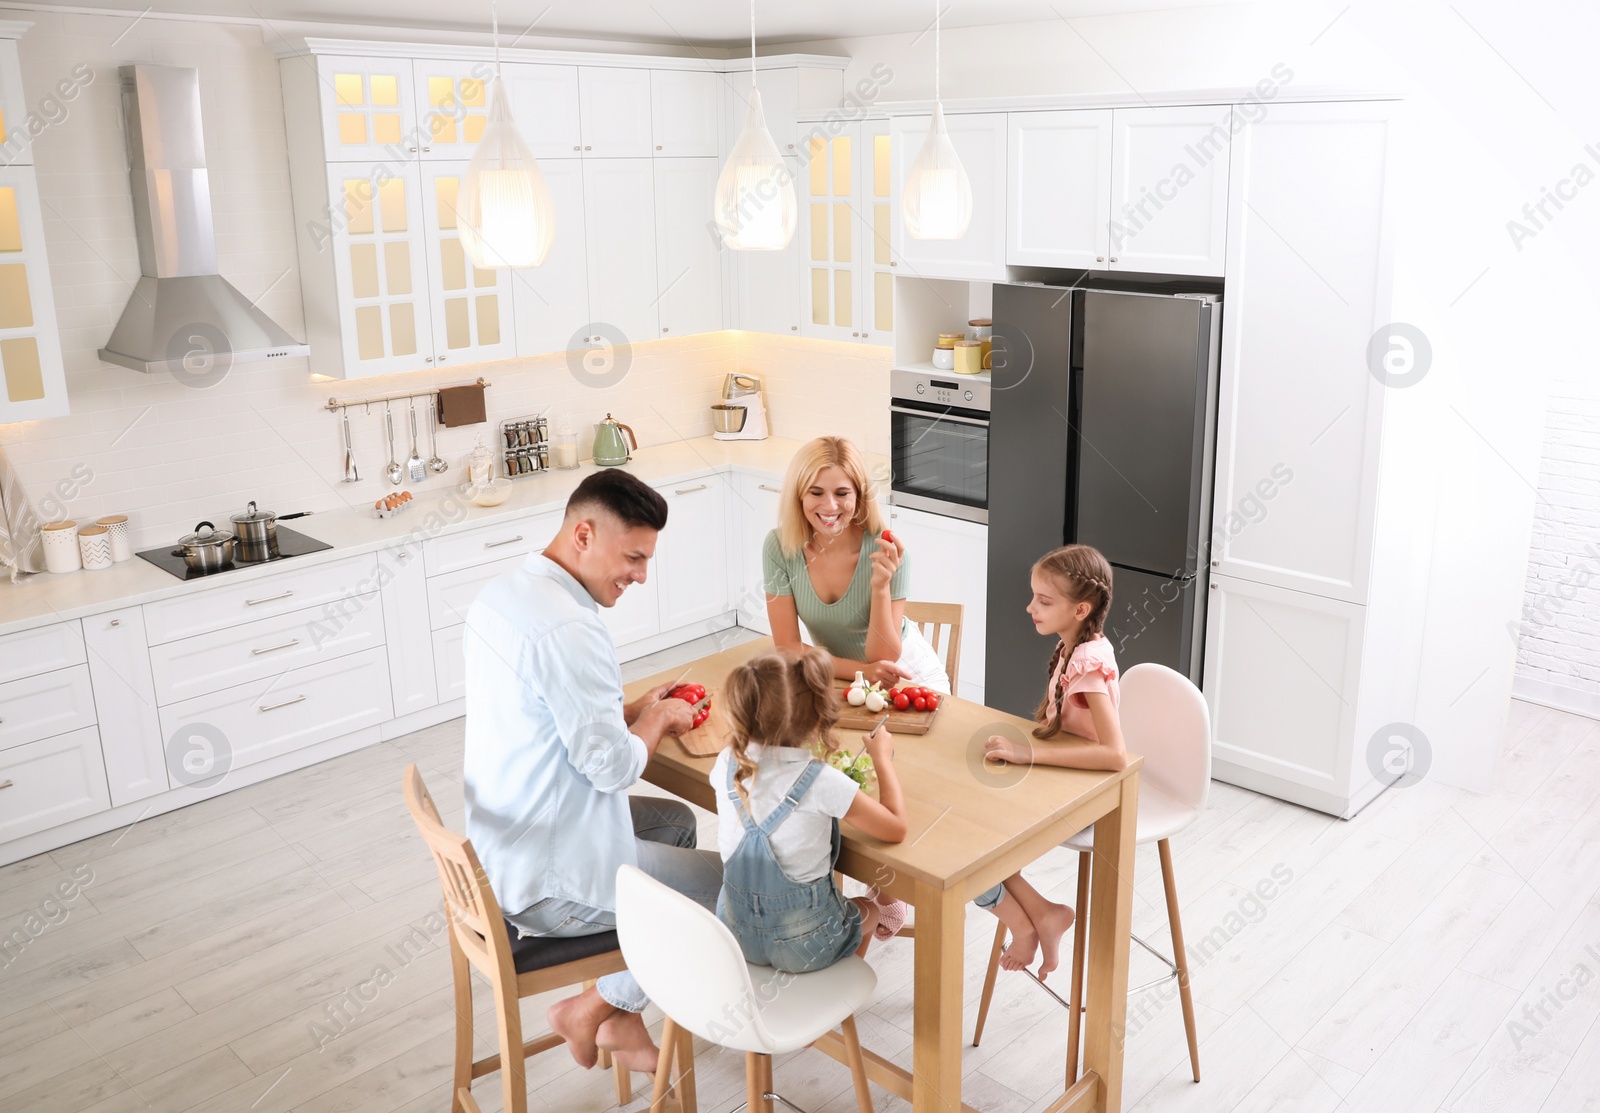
779 810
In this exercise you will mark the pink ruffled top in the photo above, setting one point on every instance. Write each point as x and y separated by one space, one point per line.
1092 667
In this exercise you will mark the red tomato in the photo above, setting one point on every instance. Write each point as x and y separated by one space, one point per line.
932 701
889 537
918 703
901 701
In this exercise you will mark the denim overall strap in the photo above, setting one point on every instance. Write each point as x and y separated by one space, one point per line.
797 791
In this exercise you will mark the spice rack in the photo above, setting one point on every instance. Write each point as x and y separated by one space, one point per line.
524 446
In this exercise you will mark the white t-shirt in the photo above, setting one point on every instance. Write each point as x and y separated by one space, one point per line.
803 842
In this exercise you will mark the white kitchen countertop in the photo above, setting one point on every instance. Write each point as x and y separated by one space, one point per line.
43 598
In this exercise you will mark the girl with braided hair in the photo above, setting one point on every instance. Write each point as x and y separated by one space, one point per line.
1078 726
779 809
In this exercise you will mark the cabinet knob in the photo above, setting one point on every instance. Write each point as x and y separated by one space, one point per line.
402 555
855 334
1216 564
413 150
1113 258
116 622
794 328
1213 583
665 329
429 359
588 148
892 263
658 146
575 147
427 149
791 146
1099 258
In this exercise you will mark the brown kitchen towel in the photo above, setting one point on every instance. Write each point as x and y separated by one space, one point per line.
461 405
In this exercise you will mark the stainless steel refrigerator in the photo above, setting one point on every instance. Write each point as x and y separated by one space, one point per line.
1102 431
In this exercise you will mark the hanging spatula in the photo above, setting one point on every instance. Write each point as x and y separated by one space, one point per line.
415 465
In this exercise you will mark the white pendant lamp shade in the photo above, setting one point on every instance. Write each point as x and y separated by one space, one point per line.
504 212
937 202
755 206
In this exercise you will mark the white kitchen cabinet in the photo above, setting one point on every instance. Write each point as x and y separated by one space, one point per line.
766 284
125 704
406 631
619 218
1299 408
470 306
41 649
780 97
949 561
50 782
45 704
1169 190
692 553
367 105
13 104
688 264
1059 175
450 662
846 233
758 500
452 99
33 381
518 537
294 710
552 300
1282 673
544 102
683 113
451 595
614 106
229 604
980 253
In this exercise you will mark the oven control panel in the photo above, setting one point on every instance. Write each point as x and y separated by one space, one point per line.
967 392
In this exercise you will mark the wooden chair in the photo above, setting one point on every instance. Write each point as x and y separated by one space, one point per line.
935 620
514 967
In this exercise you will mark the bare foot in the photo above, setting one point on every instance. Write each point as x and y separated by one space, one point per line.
577 1020
1018 954
1052 927
624 1035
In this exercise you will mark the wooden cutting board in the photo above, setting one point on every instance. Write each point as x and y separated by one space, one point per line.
708 739
900 722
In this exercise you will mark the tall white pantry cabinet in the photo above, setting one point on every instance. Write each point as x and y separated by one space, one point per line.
1313 634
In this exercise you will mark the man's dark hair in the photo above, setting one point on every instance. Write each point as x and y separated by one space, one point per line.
624 495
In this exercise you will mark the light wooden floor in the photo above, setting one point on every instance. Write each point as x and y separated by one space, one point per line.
1440 952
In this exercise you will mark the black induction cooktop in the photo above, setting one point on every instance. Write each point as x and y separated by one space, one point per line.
290 544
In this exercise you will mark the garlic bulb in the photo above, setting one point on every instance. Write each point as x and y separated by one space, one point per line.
874 701
859 682
856 696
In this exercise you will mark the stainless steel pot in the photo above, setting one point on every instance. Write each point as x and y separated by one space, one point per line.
206 549
257 532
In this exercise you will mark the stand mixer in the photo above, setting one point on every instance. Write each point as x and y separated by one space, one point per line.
742 415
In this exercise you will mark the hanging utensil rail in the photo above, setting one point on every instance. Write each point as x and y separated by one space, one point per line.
335 404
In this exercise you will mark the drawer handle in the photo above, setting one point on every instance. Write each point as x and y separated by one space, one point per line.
116 622
507 541
285 703
690 490
274 648
268 599
774 490
6 783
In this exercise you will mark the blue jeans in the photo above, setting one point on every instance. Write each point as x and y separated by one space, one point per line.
664 840
990 898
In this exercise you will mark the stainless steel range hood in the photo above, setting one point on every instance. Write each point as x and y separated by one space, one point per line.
181 307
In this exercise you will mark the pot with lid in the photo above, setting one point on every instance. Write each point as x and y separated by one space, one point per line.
257 532
207 549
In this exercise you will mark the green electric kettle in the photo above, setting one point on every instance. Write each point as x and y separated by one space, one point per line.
609 447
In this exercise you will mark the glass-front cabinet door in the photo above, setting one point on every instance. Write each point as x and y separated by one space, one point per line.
452 106
32 380
848 288
471 306
368 109
380 269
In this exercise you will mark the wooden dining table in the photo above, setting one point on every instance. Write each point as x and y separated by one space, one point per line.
971 824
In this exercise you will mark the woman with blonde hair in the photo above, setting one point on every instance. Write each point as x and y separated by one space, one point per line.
833 565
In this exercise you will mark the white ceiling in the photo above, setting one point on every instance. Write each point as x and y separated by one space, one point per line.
719 23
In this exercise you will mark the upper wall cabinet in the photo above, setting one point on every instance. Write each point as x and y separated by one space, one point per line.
683 113
13 107
619 218
552 301
470 306
846 233
688 264
765 294
452 106
1132 189
980 253
544 103
367 105
33 381
614 105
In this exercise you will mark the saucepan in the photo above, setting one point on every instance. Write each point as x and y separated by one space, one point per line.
206 549
257 531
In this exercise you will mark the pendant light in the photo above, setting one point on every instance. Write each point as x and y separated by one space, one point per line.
936 203
754 205
504 211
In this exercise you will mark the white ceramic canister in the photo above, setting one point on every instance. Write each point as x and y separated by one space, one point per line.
94 546
61 546
121 535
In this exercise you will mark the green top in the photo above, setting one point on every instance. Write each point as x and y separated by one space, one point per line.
839 627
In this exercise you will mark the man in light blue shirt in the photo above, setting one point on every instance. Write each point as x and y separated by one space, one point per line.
551 750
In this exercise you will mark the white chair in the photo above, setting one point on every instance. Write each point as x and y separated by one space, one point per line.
1164 719
688 963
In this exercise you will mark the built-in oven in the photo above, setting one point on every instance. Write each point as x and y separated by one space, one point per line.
939 442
